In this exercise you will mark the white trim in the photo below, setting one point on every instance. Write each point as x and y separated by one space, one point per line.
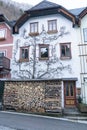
6 45
62 95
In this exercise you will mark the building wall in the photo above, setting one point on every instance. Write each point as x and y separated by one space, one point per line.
6 45
71 67
34 96
83 58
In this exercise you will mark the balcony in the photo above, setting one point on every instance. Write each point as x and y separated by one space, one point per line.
4 65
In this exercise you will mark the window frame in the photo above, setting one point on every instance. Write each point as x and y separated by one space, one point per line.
4 34
50 23
43 46
65 57
21 58
4 53
35 27
85 34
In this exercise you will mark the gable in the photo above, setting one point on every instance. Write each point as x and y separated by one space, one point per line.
42 10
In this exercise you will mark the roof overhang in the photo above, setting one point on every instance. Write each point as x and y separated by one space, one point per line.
4 19
83 13
36 80
43 12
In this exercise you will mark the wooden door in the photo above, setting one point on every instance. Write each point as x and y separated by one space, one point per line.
70 93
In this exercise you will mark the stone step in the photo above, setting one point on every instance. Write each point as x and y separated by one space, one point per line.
71 111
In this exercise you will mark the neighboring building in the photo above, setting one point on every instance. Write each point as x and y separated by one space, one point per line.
46 47
6 45
83 52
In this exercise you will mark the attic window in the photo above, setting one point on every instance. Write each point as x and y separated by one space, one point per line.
34 29
52 26
2 34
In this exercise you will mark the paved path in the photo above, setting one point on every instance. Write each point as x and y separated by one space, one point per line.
6 128
20 121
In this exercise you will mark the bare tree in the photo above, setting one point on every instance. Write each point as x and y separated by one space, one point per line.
34 68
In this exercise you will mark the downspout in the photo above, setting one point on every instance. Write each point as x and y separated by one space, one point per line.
34 59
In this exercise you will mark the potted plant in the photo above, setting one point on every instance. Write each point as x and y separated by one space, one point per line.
81 106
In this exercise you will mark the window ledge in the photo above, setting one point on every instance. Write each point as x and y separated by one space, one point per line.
34 34
2 39
43 59
51 32
23 60
65 58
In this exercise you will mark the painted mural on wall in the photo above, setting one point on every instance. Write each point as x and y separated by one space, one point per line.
41 60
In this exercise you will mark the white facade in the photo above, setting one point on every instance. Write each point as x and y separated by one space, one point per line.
83 57
54 67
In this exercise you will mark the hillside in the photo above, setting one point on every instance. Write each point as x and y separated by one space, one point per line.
12 10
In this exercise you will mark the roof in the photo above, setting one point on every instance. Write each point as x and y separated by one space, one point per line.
36 80
4 19
77 11
83 13
12 22
42 9
44 5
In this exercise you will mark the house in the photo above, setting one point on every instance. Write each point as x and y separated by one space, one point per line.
83 52
6 45
46 47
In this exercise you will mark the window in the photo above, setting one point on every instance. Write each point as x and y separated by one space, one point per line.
2 34
52 26
34 28
69 87
44 52
85 34
24 54
2 53
65 50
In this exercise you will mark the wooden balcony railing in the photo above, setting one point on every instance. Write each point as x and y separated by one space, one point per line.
4 63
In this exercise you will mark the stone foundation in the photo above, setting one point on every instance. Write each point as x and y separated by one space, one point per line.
32 96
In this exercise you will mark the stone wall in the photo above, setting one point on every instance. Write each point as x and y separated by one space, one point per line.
34 96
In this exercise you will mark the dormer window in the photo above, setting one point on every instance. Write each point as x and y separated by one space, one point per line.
2 34
52 26
34 29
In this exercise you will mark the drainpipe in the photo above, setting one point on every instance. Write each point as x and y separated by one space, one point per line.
34 59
